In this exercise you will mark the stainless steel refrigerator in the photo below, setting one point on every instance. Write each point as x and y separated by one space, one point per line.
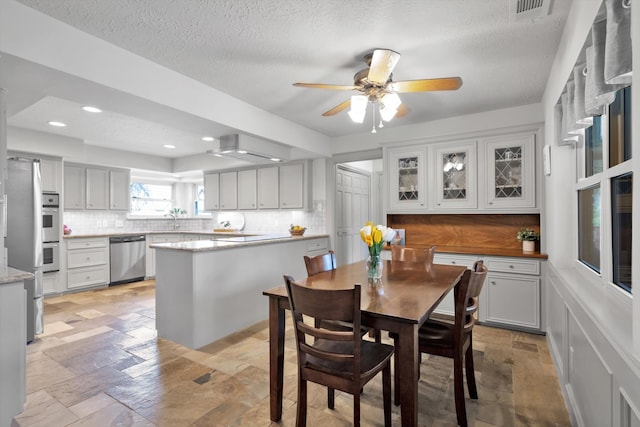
24 233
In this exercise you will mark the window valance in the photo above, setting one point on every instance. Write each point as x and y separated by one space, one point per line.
594 82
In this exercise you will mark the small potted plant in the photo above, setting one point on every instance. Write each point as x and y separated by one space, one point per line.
528 237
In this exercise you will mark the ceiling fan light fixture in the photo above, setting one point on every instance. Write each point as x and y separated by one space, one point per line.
389 104
358 108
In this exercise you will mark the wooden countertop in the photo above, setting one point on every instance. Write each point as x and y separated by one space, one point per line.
467 250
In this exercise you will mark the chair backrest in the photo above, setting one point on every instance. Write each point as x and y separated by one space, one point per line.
400 253
325 304
466 294
320 263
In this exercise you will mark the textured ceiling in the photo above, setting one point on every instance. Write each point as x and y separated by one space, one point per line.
254 50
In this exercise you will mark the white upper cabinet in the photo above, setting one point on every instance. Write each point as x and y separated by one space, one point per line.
97 188
211 191
74 187
247 189
407 179
119 190
455 175
494 173
291 186
229 190
510 171
268 188
271 187
51 172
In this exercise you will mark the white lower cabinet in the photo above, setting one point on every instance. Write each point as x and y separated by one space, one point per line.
447 305
151 253
317 247
87 262
511 293
50 282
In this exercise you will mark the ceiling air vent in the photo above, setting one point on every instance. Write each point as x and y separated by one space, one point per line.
528 10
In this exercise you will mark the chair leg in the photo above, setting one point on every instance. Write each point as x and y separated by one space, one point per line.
458 389
301 415
386 394
331 398
396 378
356 410
470 372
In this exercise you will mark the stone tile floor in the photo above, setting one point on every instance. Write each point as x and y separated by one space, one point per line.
99 363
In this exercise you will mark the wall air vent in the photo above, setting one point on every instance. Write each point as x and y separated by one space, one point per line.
250 149
528 10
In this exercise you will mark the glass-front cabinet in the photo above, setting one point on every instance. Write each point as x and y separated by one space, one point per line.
455 175
407 184
510 162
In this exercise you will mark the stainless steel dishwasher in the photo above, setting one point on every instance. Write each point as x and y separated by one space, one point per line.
127 255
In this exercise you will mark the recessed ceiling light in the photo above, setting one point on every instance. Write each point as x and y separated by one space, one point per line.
169 146
90 109
274 159
208 138
58 124
242 151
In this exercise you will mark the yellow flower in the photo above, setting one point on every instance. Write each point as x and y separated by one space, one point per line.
377 235
368 240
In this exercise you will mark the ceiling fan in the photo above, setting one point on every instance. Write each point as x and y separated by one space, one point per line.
377 87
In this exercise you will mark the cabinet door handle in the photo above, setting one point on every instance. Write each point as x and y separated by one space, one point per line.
511 266
453 262
493 282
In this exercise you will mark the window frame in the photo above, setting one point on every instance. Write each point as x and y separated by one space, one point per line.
604 180
146 215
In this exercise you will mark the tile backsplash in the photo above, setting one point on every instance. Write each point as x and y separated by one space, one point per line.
264 222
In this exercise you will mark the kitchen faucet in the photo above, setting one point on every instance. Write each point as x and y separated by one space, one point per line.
175 220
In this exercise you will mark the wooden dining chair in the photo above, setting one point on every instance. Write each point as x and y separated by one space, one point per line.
454 339
336 359
320 263
400 253
327 262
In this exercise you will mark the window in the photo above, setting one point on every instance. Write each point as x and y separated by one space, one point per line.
620 128
621 209
151 199
593 147
589 227
604 226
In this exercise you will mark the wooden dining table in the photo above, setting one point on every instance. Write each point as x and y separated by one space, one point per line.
399 302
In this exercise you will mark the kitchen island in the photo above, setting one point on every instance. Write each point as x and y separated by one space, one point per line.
208 289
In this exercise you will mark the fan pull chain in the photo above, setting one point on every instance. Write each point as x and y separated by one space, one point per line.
373 118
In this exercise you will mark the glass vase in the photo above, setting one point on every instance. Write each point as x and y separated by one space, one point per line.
374 267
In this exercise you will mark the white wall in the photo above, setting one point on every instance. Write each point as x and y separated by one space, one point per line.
593 329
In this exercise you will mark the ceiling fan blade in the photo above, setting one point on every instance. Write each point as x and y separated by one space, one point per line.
424 85
383 62
402 111
338 108
325 86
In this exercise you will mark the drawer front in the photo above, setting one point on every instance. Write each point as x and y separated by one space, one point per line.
167 239
87 276
317 245
86 243
511 265
87 258
463 260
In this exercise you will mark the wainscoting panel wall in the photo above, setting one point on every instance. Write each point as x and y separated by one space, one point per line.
601 385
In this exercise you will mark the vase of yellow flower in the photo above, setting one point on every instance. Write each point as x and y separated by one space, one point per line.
375 236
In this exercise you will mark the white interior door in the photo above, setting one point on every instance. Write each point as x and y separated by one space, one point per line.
352 211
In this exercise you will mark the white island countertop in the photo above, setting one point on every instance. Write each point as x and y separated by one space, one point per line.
208 289
12 275
224 242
